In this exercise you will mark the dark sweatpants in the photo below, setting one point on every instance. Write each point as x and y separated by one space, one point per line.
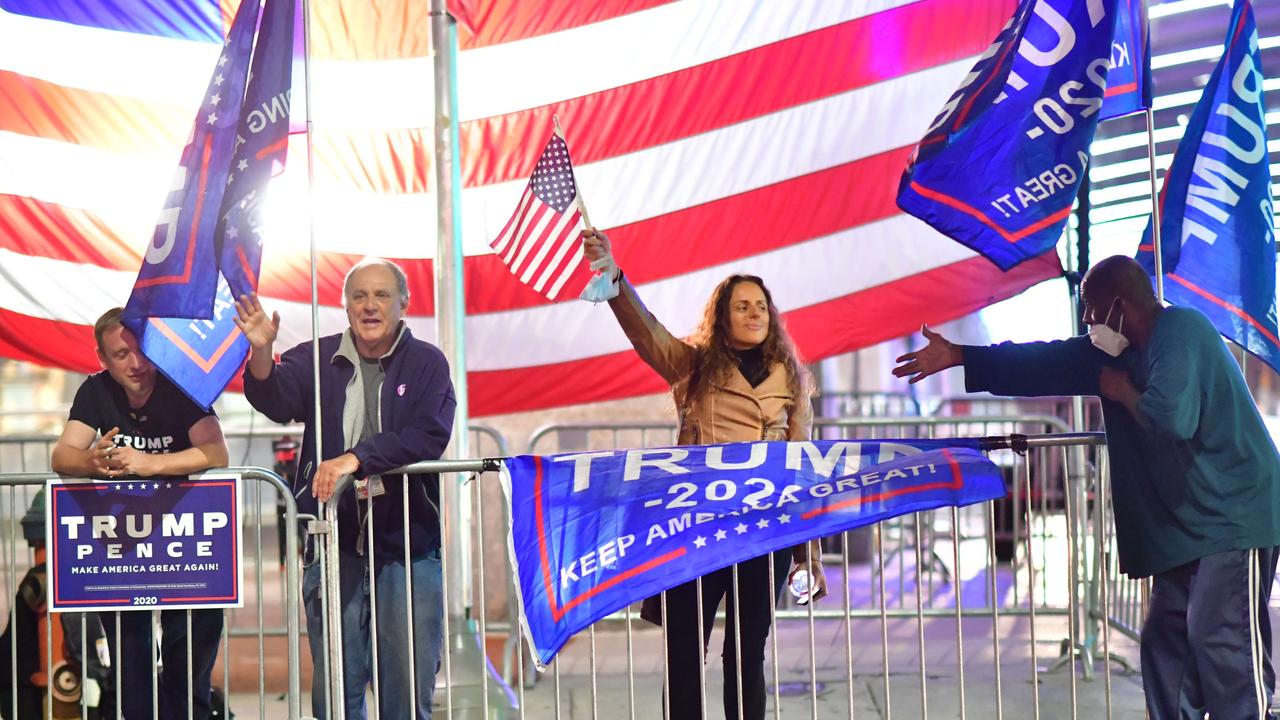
685 650
1206 644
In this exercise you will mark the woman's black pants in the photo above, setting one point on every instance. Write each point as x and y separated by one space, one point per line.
749 616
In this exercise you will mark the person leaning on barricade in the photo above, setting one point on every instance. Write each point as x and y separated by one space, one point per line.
129 420
738 379
1195 480
387 401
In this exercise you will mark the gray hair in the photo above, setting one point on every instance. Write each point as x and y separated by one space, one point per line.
402 282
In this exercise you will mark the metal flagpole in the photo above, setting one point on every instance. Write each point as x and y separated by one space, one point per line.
449 312
464 663
1155 206
1076 482
331 638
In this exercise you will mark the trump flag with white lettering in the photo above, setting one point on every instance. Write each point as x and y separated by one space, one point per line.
1129 82
207 247
999 168
1216 234
594 532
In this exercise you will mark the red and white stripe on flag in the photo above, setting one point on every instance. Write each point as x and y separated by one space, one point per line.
539 244
694 173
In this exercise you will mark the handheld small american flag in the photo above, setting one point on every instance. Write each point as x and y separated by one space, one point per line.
539 244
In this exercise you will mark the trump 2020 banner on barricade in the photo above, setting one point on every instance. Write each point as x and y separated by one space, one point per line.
999 168
1216 236
594 532
134 544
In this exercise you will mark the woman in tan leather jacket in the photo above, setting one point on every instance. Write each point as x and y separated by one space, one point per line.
737 379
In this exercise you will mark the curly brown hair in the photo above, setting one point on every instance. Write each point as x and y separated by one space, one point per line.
715 355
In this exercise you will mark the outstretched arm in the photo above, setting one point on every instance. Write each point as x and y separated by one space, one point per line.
671 357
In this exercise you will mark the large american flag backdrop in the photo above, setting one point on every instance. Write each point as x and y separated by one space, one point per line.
710 136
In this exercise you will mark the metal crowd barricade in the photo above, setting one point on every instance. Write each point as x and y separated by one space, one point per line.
859 404
333 589
26 453
1001 597
574 437
267 446
956 612
1088 410
980 627
483 438
898 534
17 491
1127 606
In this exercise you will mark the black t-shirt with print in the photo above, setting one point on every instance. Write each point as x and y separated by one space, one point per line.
159 426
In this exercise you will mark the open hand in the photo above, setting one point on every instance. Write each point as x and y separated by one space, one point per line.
252 320
939 354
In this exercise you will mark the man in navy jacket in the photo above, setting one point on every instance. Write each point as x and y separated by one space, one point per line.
386 401
1195 480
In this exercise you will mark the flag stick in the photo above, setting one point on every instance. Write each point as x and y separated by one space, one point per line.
1155 206
334 692
582 206
450 321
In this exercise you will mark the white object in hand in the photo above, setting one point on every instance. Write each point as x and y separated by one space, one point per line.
800 587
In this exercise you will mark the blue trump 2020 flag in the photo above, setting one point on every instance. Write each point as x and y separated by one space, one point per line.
1216 220
1129 82
207 248
999 168
594 532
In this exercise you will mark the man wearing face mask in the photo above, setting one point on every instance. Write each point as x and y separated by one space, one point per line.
1195 480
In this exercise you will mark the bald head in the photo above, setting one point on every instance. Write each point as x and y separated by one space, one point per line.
1119 288
1119 276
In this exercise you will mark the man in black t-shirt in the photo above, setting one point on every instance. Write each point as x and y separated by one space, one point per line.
130 420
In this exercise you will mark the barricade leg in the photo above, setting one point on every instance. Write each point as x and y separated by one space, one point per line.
846 595
994 600
959 606
1031 599
924 676
884 624
397 643
773 644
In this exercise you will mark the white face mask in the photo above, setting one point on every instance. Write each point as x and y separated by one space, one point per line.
1107 340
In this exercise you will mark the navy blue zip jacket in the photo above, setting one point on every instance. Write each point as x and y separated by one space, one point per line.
417 405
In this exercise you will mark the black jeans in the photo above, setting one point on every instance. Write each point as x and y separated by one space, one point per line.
751 620
136 657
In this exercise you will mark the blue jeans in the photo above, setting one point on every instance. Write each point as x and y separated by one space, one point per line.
394 642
